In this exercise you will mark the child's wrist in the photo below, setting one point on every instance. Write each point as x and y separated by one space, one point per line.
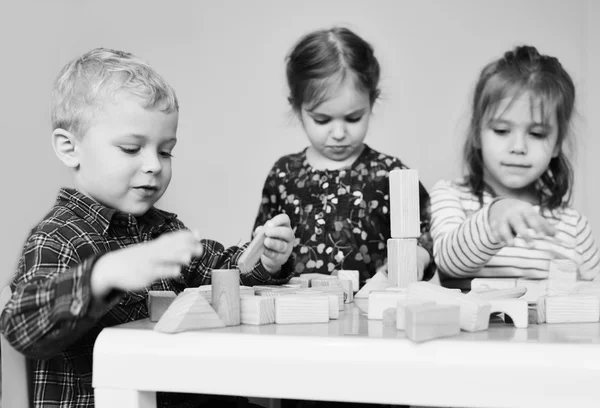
100 278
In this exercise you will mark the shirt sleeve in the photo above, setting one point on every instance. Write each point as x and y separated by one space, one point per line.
586 246
269 203
461 245
51 305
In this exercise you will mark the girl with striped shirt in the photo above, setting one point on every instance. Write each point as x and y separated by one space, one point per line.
510 214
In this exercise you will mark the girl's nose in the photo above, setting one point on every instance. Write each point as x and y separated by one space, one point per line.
339 130
518 144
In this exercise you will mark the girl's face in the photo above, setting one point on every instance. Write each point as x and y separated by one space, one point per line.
517 145
337 127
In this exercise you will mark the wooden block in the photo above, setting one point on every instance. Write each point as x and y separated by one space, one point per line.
206 291
474 312
317 283
189 311
348 287
354 276
402 261
304 283
401 310
478 284
301 309
334 312
226 295
292 285
427 322
540 306
509 293
253 251
405 217
379 281
389 317
272 290
382 300
158 302
517 309
311 276
562 277
337 290
591 288
572 308
257 310
535 288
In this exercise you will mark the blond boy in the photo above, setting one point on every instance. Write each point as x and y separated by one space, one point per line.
90 262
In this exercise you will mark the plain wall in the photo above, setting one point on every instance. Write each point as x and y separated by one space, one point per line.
226 61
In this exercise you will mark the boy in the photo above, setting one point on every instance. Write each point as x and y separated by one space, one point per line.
90 262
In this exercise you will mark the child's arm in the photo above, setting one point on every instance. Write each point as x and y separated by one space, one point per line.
461 245
586 246
275 267
269 204
51 305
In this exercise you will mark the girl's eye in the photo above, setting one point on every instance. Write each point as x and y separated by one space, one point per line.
538 135
129 150
354 120
500 131
321 121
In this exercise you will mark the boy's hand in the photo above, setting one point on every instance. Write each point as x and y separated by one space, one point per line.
138 266
510 217
279 243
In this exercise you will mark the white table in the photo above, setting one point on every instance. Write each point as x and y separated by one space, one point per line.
353 359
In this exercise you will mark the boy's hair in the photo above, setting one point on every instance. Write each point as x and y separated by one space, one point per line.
323 59
521 71
87 82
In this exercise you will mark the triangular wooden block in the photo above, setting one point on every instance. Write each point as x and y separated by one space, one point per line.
189 311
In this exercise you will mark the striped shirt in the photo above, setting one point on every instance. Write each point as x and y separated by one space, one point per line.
464 246
52 316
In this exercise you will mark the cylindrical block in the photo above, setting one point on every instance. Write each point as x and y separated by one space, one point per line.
404 204
226 295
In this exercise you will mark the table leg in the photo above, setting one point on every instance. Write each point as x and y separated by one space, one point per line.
111 397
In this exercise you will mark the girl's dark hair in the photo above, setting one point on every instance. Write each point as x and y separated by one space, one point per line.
324 58
523 70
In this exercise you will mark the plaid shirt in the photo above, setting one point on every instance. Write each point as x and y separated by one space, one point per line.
52 316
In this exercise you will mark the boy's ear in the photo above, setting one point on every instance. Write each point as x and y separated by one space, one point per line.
65 147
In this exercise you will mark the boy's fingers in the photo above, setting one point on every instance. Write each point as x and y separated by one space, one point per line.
275 245
280 220
282 233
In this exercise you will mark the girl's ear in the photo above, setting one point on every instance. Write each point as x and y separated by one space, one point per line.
65 147
556 151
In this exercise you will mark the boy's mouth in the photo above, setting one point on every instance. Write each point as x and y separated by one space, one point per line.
146 190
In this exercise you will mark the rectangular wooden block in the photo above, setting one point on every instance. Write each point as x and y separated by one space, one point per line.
297 280
382 300
301 309
158 302
348 287
353 275
402 261
572 308
562 277
404 204
337 290
389 317
206 291
474 312
427 322
257 310
401 310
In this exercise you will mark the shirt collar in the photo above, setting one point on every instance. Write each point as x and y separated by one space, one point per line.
101 216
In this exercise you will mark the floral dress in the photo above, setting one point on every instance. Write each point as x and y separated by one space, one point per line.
341 218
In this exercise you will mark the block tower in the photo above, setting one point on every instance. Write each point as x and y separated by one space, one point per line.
405 227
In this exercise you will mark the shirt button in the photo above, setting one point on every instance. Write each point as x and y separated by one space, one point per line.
76 307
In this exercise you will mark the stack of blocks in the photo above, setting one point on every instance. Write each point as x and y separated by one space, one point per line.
405 227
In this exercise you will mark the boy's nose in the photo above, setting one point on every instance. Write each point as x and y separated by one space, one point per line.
151 163
519 144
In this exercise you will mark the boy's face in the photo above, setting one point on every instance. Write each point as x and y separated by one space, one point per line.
125 155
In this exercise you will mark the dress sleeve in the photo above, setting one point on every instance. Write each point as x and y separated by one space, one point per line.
461 245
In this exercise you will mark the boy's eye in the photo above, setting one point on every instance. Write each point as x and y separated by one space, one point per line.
166 154
129 149
354 119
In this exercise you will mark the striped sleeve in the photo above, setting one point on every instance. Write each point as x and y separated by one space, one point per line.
586 246
462 244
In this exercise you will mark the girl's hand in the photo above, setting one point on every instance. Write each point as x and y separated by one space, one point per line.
510 217
278 244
